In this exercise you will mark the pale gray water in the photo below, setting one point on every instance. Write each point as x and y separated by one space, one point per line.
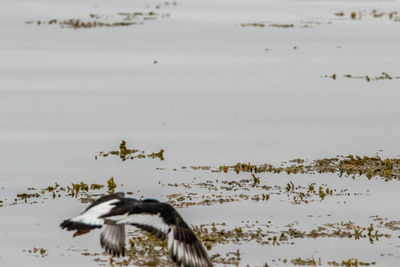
215 96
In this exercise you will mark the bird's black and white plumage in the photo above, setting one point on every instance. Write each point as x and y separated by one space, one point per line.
113 212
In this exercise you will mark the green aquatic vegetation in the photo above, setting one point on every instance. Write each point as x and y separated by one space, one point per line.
120 19
305 262
368 78
263 24
85 192
350 263
350 165
159 155
125 153
111 185
146 250
37 252
277 25
79 187
230 258
225 191
213 234
25 196
75 189
253 24
358 15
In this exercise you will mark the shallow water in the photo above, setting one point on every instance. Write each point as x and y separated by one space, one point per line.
219 94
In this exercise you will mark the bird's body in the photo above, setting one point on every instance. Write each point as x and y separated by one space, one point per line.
113 212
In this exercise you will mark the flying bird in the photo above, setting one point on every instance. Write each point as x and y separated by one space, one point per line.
113 212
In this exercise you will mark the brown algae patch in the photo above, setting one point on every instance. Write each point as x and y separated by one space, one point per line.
85 192
212 192
38 252
350 165
264 234
351 263
301 24
146 250
306 262
125 153
313 262
367 78
263 24
120 19
359 15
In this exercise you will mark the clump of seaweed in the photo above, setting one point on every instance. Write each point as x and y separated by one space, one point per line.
38 252
254 189
111 185
230 258
359 15
85 192
367 78
120 19
146 250
306 262
264 24
125 153
350 263
350 165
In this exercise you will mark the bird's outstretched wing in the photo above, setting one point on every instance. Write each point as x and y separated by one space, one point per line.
184 247
112 239
161 220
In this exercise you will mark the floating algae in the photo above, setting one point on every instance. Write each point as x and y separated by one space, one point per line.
368 78
350 165
37 252
124 153
85 192
120 19
361 14
223 191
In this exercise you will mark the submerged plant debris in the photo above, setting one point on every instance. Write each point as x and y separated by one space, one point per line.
85 192
263 24
108 20
125 153
350 263
360 14
225 191
145 250
368 78
38 252
301 24
350 165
